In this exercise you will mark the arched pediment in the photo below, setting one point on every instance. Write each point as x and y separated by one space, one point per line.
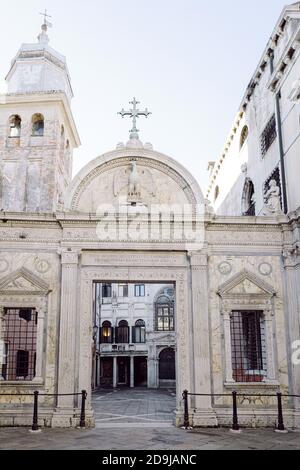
23 281
246 283
138 175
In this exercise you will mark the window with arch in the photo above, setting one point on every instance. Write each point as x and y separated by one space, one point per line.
248 198
139 332
217 192
164 307
38 125
122 332
244 136
106 333
62 131
15 126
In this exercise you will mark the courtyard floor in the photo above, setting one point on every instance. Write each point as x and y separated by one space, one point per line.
142 420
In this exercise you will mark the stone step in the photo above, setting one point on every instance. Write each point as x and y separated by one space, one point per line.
154 425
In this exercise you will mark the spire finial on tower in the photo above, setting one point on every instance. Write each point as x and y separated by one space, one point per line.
43 37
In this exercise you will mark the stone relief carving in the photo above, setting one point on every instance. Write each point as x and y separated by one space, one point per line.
23 281
246 282
146 163
138 182
265 269
4 265
42 265
225 268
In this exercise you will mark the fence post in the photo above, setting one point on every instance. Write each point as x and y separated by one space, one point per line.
186 423
82 414
35 425
235 421
280 424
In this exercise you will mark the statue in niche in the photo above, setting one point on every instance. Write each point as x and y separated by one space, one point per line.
272 200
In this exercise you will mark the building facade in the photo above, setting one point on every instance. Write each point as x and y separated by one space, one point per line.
134 335
77 255
264 141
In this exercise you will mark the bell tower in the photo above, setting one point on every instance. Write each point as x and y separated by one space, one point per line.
37 129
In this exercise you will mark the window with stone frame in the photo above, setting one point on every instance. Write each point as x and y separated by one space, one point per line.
275 175
139 332
106 290
164 314
244 136
248 346
106 333
139 290
15 126
38 125
123 290
268 136
217 193
122 332
19 338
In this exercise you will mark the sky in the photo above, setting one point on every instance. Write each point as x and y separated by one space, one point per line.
188 61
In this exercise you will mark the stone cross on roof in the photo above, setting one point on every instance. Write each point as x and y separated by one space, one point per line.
134 114
45 15
43 37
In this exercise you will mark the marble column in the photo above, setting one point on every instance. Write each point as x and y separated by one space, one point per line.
269 335
204 414
291 257
41 312
131 371
152 374
68 329
115 372
227 343
1 340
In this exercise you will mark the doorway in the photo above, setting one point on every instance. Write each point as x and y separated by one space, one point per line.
123 371
140 372
167 373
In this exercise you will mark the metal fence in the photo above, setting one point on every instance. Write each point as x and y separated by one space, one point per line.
234 396
36 395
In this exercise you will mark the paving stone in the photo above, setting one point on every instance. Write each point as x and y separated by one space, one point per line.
131 431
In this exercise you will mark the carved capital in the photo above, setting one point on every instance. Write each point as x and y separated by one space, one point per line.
70 257
268 314
226 314
291 255
198 259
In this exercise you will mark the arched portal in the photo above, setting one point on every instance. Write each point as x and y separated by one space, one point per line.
167 374
248 201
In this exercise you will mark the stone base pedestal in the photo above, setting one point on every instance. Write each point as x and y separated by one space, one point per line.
204 419
199 418
297 419
68 418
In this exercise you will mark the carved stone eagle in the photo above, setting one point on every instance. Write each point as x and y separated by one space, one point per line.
138 181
